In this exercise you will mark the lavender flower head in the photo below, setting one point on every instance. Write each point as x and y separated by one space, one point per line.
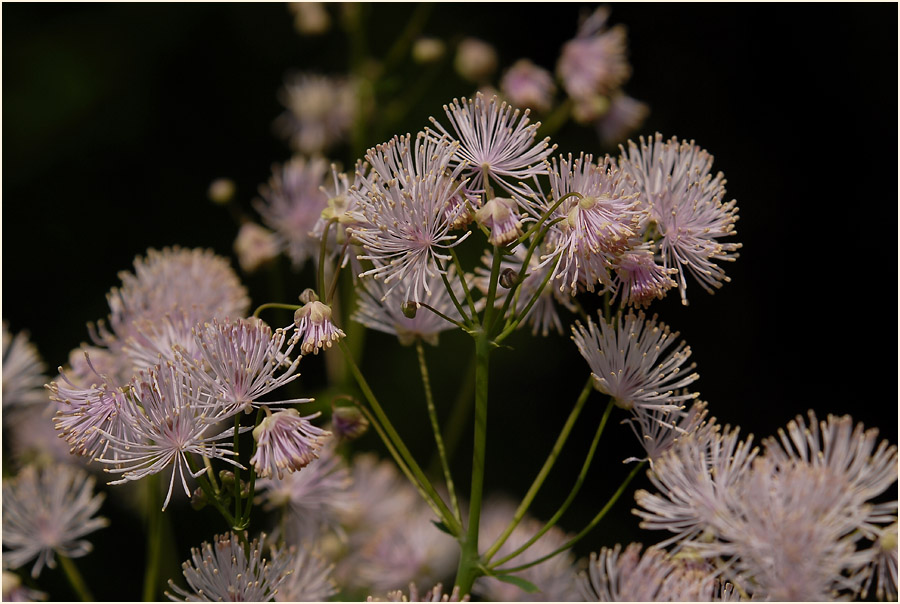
685 201
221 571
310 577
527 85
47 511
320 111
286 442
594 62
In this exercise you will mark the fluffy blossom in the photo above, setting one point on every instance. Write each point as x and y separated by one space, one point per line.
23 370
309 579
594 62
685 201
47 511
527 85
221 571
630 362
285 441
320 111
292 203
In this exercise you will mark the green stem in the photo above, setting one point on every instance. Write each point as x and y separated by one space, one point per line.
262 307
75 579
323 253
462 406
154 538
394 438
245 515
492 288
439 441
461 275
237 470
470 567
544 472
586 530
213 497
571 497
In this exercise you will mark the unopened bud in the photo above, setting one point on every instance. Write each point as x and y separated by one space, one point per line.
348 422
198 499
221 190
308 295
226 477
508 278
410 309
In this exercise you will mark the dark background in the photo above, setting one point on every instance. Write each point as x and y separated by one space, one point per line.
116 117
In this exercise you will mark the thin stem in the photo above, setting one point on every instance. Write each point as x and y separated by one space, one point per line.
262 307
547 215
402 42
237 470
586 530
461 275
544 472
439 441
521 315
75 579
245 515
442 315
394 438
323 253
154 538
575 488
492 288
211 495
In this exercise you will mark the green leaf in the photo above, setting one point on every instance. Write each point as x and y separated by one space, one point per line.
441 526
519 582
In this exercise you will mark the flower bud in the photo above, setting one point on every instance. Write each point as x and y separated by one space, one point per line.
409 309
198 499
509 278
348 422
221 190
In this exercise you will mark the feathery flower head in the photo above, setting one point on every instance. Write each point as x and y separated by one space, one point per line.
500 216
47 511
630 362
286 442
601 222
167 416
435 594
402 211
240 362
339 207
23 371
221 571
380 307
255 246
527 85
313 325
320 111
310 576
594 62
639 279
193 280
676 183
292 203
496 140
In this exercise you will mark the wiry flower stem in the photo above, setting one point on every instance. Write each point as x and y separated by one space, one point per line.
460 274
262 307
545 470
492 287
323 253
568 544
571 497
439 441
244 516
75 579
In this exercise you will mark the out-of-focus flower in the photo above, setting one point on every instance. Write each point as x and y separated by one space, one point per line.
428 50
310 18
292 203
47 511
340 208
594 62
601 222
165 413
14 591
685 202
381 308
286 442
23 371
320 111
221 190
240 362
882 569
527 85
34 439
309 579
255 246
657 430
348 422
623 116
639 279
555 578
221 571
631 363
500 215
496 141
614 575
475 60
174 278
163 338
435 594
403 223
315 328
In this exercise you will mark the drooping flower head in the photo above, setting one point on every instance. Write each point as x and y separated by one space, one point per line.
630 362
221 571
496 141
47 511
501 216
23 371
292 203
286 442
600 223
320 111
314 327
166 411
401 208
685 200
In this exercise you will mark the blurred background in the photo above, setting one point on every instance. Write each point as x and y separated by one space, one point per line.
116 118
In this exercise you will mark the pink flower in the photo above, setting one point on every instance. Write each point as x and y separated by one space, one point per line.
285 441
